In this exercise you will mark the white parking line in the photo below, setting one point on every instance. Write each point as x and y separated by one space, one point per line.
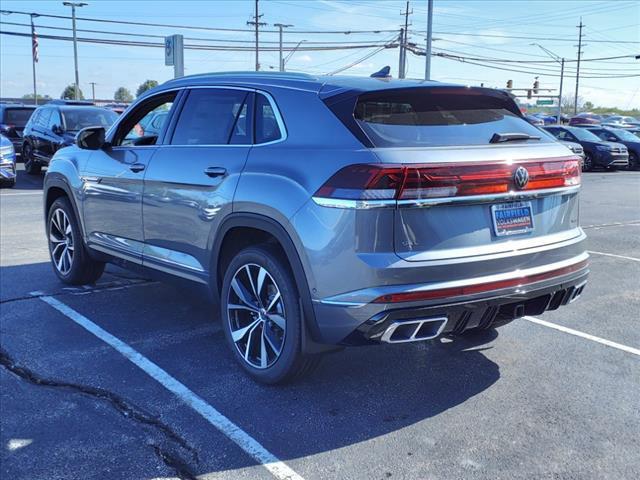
634 259
247 443
588 336
19 193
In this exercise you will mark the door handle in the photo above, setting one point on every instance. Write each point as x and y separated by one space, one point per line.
215 172
136 167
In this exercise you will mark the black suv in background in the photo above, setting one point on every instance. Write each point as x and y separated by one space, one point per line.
619 135
54 125
13 118
597 152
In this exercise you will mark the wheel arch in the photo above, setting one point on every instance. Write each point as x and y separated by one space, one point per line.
271 229
56 187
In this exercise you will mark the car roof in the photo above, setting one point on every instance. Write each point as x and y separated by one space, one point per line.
324 85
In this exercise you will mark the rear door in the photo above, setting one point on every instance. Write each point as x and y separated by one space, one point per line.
190 184
39 137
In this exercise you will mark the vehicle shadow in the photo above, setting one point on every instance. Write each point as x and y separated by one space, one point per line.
356 395
24 181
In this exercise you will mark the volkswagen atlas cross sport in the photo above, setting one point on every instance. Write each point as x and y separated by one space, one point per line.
326 211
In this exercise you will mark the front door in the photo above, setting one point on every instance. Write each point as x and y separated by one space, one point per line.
113 184
190 184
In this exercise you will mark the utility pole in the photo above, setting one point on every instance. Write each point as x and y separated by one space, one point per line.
34 56
280 27
93 91
427 59
575 103
75 44
257 23
403 42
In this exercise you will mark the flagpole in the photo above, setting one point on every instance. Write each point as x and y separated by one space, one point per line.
34 57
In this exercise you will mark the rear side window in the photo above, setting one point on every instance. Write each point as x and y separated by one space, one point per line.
43 118
267 126
436 117
17 116
211 117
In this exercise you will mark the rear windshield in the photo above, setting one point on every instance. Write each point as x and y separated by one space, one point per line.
422 117
81 117
17 116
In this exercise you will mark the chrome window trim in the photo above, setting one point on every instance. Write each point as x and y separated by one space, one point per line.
431 202
274 106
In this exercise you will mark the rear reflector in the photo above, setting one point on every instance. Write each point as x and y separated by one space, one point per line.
479 287
425 181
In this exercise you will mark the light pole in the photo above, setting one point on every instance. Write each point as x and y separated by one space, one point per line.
75 43
280 27
288 57
561 62
93 91
427 60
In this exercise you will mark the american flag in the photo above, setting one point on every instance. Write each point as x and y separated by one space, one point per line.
34 42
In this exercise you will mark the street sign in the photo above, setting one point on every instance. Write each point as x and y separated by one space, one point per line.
544 102
174 54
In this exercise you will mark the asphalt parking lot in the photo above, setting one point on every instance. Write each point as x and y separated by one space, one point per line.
131 379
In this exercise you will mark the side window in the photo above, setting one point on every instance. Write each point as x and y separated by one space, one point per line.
54 119
35 118
266 123
139 127
209 117
43 119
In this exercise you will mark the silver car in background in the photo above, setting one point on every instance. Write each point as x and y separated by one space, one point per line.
326 211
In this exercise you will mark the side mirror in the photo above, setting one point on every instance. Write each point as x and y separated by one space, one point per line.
91 138
57 129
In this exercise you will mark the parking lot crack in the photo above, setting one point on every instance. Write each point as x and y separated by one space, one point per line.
124 407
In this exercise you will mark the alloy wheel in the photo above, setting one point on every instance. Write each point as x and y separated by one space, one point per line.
61 241
587 164
256 316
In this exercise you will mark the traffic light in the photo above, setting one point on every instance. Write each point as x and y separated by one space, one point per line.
509 84
529 94
536 84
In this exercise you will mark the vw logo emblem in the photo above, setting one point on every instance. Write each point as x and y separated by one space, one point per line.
521 177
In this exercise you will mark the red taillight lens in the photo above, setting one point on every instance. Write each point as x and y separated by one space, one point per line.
414 182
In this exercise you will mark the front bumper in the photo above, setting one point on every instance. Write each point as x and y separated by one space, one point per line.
614 159
7 171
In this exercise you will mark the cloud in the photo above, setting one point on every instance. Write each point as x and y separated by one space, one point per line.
304 58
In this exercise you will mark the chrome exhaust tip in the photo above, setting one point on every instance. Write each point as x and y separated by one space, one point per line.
414 330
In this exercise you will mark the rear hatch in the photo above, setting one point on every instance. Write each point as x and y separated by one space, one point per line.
467 174
14 120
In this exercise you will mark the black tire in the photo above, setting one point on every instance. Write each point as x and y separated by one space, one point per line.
587 164
291 363
30 165
83 269
634 163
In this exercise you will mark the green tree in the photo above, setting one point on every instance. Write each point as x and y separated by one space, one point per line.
29 96
146 85
588 106
69 93
122 95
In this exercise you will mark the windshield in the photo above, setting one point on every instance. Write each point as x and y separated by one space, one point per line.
624 135
78 118
585 135
420 117
17 116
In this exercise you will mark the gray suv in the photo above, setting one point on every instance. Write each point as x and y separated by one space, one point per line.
325 211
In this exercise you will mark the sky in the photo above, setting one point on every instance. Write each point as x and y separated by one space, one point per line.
480 31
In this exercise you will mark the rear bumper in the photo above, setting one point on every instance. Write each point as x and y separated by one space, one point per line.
362 317
478 314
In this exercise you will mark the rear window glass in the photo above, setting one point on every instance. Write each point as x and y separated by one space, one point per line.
76 119
17 116
419 117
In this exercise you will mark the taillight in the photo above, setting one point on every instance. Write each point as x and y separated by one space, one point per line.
417 182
